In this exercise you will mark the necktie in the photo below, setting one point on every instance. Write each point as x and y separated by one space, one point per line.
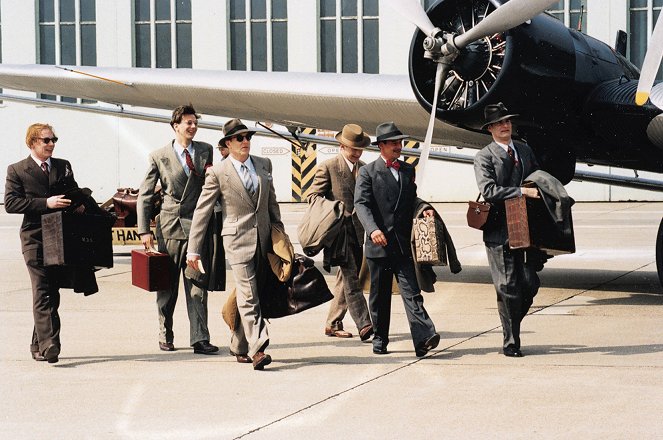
189 162
248 182
393 164
512 155
355 170
44 168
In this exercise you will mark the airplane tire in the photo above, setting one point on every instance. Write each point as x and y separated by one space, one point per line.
659 252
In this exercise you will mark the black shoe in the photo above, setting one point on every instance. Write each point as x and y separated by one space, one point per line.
512 351
37 356
166 346
378 350
204 347
51 354
428 345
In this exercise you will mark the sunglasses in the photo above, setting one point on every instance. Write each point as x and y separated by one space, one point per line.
54 139
241 137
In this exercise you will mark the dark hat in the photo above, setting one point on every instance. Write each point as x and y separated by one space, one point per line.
353 136
233 128
388 131
496 113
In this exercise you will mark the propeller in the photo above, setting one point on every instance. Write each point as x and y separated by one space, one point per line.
413 11
650 65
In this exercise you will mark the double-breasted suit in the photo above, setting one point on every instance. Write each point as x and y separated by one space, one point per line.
246 232
27 189
387 204
516 282
334 180
180 191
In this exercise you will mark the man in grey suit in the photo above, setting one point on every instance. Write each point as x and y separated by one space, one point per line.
385 199
335 180
179 167
500 168
244 187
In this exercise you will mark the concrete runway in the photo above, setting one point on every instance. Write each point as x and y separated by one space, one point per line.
593 365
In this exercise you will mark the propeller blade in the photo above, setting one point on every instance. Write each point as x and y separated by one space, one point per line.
656 95
651 64
413 11
507 16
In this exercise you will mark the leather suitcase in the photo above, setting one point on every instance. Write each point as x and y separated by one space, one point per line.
530 226
429 244
77 240
150 271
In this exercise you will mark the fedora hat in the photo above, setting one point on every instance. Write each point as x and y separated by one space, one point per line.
353 136
496 113
233 128
388 131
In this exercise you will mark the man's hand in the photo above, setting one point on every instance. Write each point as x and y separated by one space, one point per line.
429 213
147 240
532 193
192 261
378 238
57 202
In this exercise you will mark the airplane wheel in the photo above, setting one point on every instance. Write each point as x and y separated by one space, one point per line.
659 252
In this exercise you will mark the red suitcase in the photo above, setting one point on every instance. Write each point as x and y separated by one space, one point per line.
150 270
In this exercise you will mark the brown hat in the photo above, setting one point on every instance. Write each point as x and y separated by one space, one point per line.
233 128
387 131
496 113
353 136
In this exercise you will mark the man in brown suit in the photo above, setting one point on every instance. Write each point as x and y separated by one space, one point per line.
335 180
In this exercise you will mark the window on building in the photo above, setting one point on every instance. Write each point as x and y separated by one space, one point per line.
349 36
642 19
162 33
67 34
259 35
573 13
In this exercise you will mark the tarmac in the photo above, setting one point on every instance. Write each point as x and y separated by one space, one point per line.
593 364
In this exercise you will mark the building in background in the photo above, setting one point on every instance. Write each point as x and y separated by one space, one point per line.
343 36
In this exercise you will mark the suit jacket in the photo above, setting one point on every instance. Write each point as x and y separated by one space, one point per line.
334 181
246 224
180 193
498 180
383 203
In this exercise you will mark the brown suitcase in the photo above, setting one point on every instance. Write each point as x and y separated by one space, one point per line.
77 240
531 226
150 271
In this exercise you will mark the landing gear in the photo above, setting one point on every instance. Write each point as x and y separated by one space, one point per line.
659 252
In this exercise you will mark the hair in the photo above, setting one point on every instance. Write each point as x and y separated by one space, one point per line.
181 111
222 143
34 131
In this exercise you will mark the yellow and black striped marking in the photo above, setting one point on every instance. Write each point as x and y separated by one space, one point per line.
414 160
304 161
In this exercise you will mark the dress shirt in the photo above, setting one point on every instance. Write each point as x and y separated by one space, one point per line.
252 171
39 162
179 150
393 170
505 147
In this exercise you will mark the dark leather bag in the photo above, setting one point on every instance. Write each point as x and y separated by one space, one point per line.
305 289
124 203
477 213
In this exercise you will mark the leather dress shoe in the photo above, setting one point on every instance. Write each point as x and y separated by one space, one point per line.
366 333
337 333
166 346
260 360
37 356
428 345
512 351
51 354
241 358
378 350
204 347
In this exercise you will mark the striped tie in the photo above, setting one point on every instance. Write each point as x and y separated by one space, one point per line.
248 182
44 168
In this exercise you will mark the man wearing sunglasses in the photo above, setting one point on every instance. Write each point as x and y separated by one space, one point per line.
179 167
244 188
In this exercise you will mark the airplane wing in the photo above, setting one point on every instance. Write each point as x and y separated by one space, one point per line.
321 100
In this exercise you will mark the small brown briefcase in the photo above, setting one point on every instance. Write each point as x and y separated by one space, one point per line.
150 271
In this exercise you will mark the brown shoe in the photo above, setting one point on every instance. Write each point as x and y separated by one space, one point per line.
241 358
366 333
166 346
337 333
260 360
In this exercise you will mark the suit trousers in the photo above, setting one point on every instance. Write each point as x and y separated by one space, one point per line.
45 301
252 335
382 272
516 283
196 298
348 293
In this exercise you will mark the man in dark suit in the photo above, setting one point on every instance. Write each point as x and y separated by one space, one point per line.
335 180
385 199
500 168
28 191
180 169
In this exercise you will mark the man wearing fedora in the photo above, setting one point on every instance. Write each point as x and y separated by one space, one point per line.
385 199
179 168
500 168
335 180
244 187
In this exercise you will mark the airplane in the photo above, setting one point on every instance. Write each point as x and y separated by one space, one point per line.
575 95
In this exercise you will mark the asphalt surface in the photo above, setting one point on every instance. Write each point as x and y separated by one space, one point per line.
593 364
